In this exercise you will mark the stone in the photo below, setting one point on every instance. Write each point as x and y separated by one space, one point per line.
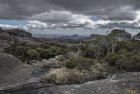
12 70
104 86
137 36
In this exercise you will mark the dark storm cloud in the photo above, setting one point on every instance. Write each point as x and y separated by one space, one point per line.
112 9
123 25
72 13
21 9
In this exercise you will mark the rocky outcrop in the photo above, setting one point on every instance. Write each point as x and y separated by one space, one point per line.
12 70
124 83
8 63
45 65
1 30
120 34
137 37
6 36
19 33
10 36
5 39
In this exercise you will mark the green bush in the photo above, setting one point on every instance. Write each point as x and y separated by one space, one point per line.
27 52
129 63
99 71
33 54
129 45
44 53
112 58
89 53
84 63
70 64
56 50
123 60
80 62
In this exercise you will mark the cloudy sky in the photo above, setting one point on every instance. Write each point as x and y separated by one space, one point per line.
70 16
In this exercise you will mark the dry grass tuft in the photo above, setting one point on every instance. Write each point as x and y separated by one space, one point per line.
63 76
131 91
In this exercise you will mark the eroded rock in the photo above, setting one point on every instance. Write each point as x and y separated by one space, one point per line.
12 70
123 83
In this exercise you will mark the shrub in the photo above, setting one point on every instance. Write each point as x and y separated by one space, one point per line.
129 45
44 53
129 63
27 52
33 54
100 70
126 61
70 64
81 63
112 58
131 91
63 76
54 50
84 63
89 53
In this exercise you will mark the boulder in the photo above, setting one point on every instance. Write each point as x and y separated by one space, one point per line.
137 37
6 36
13 71
8 63
5 40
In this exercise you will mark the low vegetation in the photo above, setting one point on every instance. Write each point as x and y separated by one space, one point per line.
88 60
27 52
63 76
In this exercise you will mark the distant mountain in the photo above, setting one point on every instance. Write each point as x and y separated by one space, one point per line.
73 37
48 36
93 36
60 36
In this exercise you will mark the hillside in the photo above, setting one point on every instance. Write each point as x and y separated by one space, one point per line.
32 65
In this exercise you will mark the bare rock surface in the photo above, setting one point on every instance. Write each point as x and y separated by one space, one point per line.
8 63
12 70
123 83
18 78
5 40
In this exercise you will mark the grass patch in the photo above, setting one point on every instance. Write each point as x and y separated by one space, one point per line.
63 76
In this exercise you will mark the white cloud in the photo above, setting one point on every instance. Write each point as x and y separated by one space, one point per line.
6 26
35 25
67 19
54 17
62 19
